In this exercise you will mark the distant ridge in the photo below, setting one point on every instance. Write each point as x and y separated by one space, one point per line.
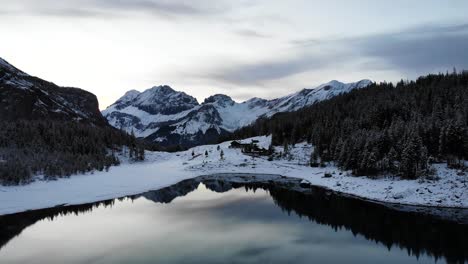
169 117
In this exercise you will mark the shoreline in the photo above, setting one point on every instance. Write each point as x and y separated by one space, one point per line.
166 169
452 214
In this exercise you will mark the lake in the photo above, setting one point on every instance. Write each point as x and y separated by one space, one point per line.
220 221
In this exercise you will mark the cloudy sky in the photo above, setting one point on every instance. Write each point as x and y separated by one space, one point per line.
243 48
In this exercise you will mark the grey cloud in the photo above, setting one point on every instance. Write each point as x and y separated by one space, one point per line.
298 62
157 6
414 51
436 48
256 251
306 42
434 28
76 8
73 12
258 72
251 33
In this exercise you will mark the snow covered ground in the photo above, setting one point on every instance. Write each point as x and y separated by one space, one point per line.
164 169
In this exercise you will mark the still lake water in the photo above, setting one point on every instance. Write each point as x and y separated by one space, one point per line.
220 222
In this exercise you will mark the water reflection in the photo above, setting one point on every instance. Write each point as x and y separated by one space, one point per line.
226 222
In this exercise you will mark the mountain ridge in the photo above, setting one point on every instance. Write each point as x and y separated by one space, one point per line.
169 117
28 97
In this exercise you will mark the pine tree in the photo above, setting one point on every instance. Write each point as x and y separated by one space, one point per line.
314 159
285 148
130 152
413 157
271 149
371 166
392 160
141 154
465 145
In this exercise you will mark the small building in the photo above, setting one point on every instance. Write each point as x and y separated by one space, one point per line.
251 148
237 144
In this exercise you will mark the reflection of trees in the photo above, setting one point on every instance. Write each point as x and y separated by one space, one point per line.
416 233
12 225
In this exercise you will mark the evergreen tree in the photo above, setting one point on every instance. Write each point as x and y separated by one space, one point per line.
271 149
414 157
141 154
314 159
392 161
285 148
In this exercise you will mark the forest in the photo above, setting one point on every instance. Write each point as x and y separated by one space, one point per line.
57 149
398 129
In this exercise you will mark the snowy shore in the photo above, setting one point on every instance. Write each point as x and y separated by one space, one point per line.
164 169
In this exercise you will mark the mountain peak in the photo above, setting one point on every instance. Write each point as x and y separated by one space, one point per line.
364 82
220 99
163 89
128 96
163 99
334 82
337 85
132 92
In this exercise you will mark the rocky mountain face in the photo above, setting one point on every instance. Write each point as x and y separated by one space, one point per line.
26 97
169 117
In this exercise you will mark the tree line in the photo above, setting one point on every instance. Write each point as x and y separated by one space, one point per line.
58 149
384 128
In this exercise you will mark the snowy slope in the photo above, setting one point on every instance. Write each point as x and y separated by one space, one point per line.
175 118
308 97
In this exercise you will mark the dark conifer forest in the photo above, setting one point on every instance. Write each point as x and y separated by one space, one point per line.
58 149
384 128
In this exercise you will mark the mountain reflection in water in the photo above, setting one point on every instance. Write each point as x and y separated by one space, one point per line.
328 214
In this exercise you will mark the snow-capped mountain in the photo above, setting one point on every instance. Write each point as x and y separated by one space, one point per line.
169 117
23 96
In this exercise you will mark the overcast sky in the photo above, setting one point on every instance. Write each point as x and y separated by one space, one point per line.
242 48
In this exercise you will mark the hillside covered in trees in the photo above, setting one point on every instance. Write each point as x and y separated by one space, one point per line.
385 128
58 149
